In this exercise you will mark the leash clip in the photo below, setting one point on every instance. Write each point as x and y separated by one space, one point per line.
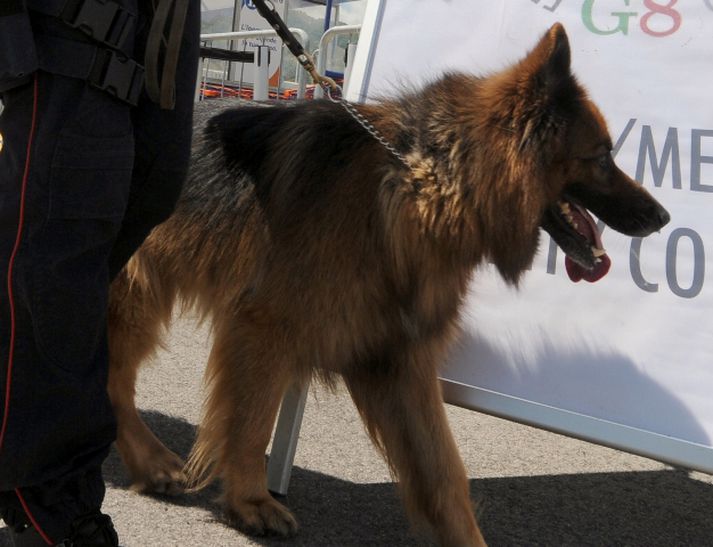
333 92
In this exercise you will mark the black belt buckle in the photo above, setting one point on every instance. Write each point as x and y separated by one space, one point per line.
104 20
118 75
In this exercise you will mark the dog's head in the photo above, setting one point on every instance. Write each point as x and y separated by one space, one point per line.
562 133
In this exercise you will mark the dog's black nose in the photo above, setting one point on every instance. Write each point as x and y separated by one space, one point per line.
664 217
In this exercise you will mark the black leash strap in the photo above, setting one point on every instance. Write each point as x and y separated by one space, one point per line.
267 11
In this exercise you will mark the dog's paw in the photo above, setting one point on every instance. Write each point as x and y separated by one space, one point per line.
160 475
262 517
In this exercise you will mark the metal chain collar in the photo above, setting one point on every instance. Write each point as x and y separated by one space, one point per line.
267 10
366 124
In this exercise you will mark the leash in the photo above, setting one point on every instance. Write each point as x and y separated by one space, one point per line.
367 125
267 11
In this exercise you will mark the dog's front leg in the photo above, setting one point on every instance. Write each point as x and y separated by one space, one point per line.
402 406
248 376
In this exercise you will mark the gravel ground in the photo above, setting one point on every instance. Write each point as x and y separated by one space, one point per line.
533 487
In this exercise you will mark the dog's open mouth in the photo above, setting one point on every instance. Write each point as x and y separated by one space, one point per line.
574 230
582 222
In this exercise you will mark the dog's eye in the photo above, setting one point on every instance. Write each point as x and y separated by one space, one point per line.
604 161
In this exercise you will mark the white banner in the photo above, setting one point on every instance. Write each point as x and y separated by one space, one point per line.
636 348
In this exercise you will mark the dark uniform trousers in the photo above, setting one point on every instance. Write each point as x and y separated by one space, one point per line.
83 179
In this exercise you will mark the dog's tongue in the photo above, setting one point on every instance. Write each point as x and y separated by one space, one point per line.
588 228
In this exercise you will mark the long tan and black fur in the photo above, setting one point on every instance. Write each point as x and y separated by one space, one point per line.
316 253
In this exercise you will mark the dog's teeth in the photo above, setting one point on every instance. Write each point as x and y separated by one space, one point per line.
564 206
598 252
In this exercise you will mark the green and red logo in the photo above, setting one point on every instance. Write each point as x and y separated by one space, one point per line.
610 17
658 19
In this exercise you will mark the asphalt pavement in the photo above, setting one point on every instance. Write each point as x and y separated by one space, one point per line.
533 487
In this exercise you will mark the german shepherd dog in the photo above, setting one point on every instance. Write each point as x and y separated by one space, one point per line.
316 252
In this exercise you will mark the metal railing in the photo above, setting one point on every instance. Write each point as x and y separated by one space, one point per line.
301 82
324 41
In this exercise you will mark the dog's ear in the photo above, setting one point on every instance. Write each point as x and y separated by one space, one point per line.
550 61
559 60
550 84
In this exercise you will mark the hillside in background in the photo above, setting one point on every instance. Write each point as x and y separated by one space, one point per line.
217 20
221 20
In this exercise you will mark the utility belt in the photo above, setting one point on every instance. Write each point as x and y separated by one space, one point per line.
104 61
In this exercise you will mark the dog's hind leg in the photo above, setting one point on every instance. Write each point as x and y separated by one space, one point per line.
135 318
402 406
247 377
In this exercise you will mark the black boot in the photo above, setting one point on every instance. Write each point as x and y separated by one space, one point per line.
21 531
92 530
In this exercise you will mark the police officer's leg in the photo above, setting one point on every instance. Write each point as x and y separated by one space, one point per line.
162 154
163 144
64 179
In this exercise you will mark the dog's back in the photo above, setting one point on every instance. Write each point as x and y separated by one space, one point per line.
300 241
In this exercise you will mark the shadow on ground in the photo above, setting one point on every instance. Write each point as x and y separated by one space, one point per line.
628 508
